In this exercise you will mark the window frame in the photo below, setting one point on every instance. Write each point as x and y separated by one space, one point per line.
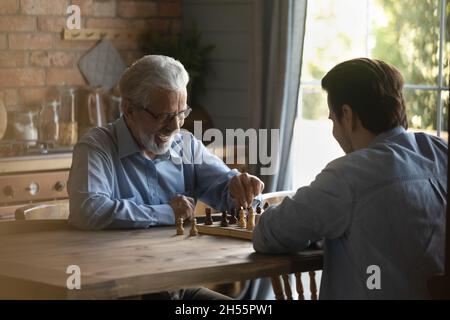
440 88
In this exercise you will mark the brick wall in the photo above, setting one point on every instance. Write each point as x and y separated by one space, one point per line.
33 57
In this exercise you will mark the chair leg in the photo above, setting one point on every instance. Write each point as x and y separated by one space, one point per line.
313 285
287 287
299 286
277 288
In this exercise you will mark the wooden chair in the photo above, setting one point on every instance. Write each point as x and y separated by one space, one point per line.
281 284
54 210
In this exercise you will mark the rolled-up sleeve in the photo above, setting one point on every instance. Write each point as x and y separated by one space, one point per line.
320 210
92 205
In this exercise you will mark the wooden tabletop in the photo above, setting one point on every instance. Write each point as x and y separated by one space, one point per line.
118 263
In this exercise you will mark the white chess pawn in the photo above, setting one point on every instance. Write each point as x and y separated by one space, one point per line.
180 229
242 223
251 219
194 231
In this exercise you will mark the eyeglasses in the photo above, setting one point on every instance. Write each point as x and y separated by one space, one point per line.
169 116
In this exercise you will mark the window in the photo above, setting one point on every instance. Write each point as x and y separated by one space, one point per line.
413 35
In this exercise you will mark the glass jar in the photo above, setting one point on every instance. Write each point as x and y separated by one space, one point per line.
68 126
49 122
25 127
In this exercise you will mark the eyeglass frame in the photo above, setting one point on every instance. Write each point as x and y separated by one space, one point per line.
169 115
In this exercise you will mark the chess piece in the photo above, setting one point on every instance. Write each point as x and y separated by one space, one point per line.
208 220
193 232
251 219
258 215
180 229
233 219
242 223
258 209
224 222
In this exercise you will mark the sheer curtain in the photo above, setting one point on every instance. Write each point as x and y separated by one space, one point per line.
280 30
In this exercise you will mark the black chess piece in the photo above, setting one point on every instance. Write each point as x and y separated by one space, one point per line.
224 222
258 210
233 218
208 220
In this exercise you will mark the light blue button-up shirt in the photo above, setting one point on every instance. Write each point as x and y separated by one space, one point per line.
381 206
113 185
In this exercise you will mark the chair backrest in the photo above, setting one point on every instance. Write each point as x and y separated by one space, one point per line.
54 210
281 284
275 197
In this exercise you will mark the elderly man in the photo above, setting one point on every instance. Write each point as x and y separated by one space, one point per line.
380 208
134 172
129 175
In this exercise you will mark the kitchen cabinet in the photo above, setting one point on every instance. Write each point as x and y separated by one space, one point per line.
32 179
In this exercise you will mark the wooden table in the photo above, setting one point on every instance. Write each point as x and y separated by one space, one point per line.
34 256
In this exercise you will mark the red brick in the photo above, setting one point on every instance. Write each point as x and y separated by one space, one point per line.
86 7
17 23
61 59
9 97
3 42
118 23
39 59
12 58
51 24
135 9
8 6
78 45
105 8
30 41
44 7
169 9
151 24
30 96
126 44
96 8
15 77
58 76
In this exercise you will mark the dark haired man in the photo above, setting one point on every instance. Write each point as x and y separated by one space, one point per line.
381 207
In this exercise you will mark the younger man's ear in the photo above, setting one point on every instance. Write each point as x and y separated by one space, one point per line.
350 118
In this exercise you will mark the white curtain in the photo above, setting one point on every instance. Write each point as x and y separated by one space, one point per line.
280 29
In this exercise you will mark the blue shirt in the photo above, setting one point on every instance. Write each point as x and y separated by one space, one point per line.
381 206
113 185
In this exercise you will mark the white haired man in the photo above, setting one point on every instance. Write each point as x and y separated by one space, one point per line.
133 173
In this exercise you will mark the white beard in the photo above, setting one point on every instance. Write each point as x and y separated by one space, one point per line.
149 143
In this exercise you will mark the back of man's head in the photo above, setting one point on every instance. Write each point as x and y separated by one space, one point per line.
149 73
372 89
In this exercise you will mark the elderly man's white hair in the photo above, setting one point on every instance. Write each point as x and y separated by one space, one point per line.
152 72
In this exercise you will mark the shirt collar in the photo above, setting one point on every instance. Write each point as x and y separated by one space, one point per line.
126 143
387 134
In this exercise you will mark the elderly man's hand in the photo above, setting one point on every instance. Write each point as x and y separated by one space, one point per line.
183 207
244 188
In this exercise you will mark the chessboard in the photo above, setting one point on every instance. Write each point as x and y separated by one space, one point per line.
235 226
233 230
